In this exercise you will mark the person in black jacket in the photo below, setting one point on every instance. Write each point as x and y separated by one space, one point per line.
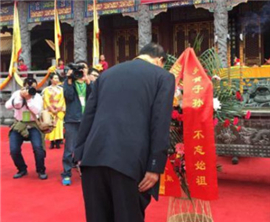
124 136
76 91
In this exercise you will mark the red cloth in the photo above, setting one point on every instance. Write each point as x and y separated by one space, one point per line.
61 67
23 68
236 62
105 65
169 182
200 156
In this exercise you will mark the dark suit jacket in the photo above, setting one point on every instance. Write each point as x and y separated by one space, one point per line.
126 121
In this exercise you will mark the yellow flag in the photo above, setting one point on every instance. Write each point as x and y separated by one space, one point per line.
95 35
57 33
16 49
16 40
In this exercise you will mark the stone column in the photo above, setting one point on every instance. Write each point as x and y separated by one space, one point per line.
144 25
221 29
80 39
25 33
220 9
144 16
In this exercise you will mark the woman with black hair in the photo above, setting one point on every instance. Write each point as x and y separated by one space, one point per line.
54 102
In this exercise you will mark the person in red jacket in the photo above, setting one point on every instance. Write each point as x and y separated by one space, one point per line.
104 64
22 67
60 64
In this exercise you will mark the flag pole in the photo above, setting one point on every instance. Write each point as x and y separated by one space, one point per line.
95 35
57 34
16 48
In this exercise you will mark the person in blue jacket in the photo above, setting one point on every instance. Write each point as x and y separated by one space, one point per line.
76 91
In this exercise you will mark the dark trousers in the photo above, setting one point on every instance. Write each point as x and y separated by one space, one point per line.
16 140
71 132
111 196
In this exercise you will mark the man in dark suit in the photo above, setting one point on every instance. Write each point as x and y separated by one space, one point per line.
124 136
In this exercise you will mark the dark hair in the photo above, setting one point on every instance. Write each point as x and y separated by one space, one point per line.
29 81
21 59
81 61
60 60
52 74
154 50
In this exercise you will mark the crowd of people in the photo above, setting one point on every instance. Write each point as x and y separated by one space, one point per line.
64 98
116 130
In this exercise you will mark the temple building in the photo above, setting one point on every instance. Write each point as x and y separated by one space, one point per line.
239 30
234 27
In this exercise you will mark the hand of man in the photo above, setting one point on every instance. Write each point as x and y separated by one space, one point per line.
69 72
85 75
85 71
148 181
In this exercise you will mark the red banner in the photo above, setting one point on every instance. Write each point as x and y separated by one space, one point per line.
169 182
200 157
157 1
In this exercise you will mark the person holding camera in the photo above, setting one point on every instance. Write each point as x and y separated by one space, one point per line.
27 103
76 91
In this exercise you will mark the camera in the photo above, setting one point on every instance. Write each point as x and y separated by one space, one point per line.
77 72
31 91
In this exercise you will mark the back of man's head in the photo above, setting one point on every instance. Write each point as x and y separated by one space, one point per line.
154 50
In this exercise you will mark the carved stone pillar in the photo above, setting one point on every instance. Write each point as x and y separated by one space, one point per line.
144 25
25 33
221 29
144 16
80 39
220 9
